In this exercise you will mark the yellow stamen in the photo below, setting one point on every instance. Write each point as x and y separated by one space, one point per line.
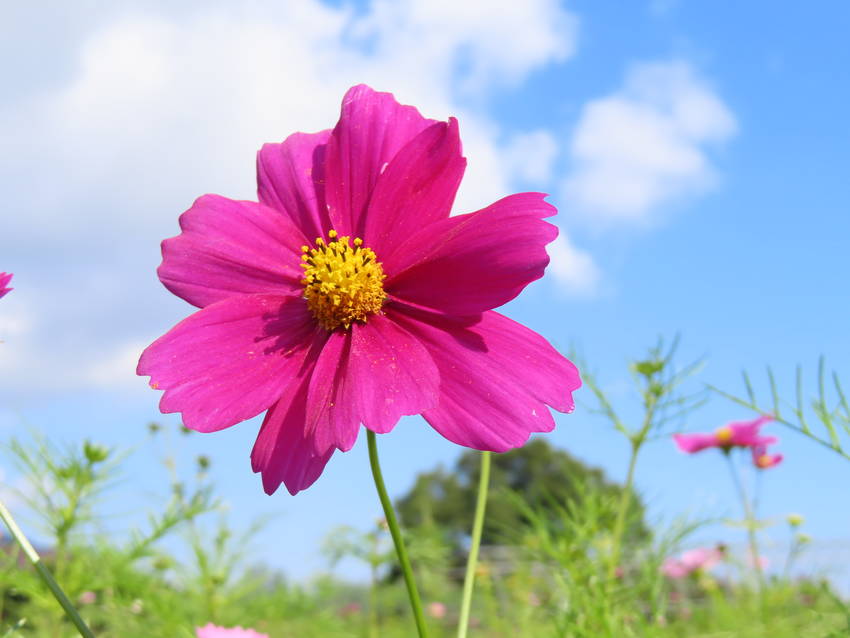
342 283
724 434
764 461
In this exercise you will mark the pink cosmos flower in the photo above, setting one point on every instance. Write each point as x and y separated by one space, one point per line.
762 460
348 296
5 278
437 610
688 562
734 434
87 598
213 631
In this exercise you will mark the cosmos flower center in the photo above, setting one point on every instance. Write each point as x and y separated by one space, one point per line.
724 434
343 281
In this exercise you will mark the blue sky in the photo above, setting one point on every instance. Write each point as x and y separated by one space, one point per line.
697 153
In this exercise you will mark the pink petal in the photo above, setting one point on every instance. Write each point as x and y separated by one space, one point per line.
471 263
284 452
372 128
761 458
674 569
373 375
691 443
229 248
290 178
214 631
232 360
746 433
416 189
5 278
496 378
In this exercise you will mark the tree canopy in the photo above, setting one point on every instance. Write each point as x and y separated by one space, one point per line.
537 473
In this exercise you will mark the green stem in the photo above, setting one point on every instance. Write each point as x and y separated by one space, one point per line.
477 527
373 602
622 511
395 532
44 573
750 520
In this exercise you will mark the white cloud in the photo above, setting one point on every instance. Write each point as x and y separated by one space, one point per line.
484 42
645 145
157 108
573 270
530 156
117 369
160 106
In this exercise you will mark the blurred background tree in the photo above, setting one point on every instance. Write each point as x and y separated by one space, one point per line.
542 476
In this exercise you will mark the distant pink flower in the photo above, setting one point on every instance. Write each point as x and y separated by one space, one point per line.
349 296
214 631
735 434
437 610
5 278
87 598
762 459
350 609
688 562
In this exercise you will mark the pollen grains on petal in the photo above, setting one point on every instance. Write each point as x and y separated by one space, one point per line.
343 281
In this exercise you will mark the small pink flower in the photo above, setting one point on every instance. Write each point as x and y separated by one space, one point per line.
5 278
348 296
673 568
214 631
691 561
762 460
87 598
437 610
350 609
735 434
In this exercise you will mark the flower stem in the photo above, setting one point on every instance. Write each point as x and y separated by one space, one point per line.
395 532
44 573
477 527
622 511
750 520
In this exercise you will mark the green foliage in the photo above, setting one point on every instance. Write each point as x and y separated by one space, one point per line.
549 579
658 383
539 473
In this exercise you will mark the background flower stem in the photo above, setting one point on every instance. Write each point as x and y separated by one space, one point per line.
623 507
472 561
44 573
395 532
750 520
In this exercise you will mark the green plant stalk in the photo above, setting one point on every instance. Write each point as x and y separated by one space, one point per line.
750 520
373 598
395 532
622 510
44 573
793 552
472 561
637 442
